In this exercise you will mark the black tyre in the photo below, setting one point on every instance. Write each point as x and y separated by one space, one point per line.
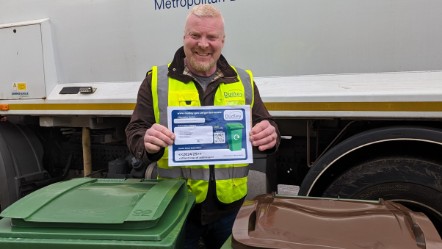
21 156
413 182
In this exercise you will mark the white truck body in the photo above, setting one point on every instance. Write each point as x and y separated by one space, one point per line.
355 87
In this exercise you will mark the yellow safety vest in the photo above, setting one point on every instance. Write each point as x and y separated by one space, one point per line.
231 179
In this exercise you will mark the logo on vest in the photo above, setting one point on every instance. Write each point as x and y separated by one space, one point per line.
233 94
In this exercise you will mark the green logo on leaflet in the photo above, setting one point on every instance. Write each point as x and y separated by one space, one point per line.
232 94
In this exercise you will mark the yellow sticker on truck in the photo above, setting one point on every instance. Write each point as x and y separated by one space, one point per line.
19 89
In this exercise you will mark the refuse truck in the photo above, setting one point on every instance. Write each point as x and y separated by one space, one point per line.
355 88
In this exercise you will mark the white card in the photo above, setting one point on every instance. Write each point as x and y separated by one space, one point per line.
193 135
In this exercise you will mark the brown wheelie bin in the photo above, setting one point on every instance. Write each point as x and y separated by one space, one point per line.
307 223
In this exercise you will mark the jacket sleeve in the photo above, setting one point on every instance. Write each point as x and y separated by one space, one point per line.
142 119
259 113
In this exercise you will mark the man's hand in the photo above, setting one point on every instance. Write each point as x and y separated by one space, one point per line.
263 135
157 137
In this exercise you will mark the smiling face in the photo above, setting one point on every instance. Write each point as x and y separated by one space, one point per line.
203 43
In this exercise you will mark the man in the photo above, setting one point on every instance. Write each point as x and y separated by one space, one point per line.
199 76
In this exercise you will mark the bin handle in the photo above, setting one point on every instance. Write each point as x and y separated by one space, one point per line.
415 228
245 223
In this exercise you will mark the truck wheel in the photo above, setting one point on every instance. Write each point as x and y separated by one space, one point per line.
21 156
413 182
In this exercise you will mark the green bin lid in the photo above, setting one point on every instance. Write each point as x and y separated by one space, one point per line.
101 203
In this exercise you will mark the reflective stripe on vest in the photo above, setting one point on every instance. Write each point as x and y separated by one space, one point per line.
163 93
203 173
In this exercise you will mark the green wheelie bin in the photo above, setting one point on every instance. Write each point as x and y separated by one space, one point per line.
99 213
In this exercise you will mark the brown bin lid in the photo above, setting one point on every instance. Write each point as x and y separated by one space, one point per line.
307 223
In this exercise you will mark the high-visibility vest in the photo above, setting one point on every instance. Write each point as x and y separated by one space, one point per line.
231 179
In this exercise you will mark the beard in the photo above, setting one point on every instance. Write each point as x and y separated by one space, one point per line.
202 67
